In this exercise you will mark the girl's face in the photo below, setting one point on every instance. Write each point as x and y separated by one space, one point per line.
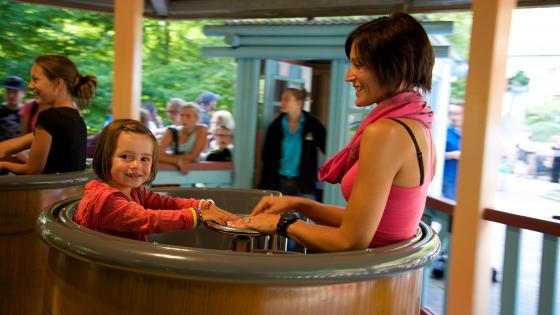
131 162
289 103
223 137
364 80
189 117
45 91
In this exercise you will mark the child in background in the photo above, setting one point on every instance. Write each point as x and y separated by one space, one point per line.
222 153
117 203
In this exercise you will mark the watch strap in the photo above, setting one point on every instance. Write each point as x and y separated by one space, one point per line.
285 221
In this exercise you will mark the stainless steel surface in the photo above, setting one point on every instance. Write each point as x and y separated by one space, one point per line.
231 230
225 265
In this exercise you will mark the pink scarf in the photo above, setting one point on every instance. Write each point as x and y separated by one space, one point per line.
403 105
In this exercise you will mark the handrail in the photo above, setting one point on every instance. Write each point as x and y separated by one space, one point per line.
535 220
228 266
441 204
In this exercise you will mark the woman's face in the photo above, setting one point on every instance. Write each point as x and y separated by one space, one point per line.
172 112
289 103
132 161
364 80
189 117
45 91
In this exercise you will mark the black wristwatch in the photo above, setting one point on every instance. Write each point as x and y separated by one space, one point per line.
285 220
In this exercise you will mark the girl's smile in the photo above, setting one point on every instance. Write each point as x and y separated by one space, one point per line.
131 162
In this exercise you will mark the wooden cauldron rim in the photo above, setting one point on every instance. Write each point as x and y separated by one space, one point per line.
228 266
45 181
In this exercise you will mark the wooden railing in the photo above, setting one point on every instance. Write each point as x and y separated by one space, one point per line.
441 211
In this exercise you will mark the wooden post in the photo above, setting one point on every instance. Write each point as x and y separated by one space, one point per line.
470 271
127 77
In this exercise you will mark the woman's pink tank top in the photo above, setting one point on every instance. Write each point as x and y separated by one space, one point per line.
403 209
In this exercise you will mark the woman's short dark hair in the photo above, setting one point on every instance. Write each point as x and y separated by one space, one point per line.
299 94
397 49
107 144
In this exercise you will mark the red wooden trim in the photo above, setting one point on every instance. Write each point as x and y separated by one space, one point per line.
534 220
200 166
440 204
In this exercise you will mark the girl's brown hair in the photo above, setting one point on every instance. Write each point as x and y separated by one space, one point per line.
81 87
397 49
105 149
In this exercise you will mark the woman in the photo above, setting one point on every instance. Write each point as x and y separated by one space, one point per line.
186 141
384 175
289 158
58 143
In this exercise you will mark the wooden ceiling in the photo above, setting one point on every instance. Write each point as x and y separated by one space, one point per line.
240 9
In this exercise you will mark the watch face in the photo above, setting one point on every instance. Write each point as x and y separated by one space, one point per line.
288 217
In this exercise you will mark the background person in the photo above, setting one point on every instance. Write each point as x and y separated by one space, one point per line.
223 141
14 91
118 203
29 114
452 151
185 142
290 150
386 168
220 119
59 141
207 102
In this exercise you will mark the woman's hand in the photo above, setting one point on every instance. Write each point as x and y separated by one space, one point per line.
183 166
217 215
264 223
275 205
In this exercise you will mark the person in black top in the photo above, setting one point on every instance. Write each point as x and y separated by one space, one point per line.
58 143
291 146
14 91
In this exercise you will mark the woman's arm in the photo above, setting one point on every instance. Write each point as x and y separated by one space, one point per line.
15 145
201 133
381 158
163 144
40 147
316 211
382 153
179 159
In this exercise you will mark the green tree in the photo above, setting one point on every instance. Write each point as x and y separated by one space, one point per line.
172 62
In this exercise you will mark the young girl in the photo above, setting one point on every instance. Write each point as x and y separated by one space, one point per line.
117 203
58 143
187 141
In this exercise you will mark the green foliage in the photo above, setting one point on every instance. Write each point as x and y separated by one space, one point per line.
544 119
519 79
458 88
172 64
460 40
544 131
462 24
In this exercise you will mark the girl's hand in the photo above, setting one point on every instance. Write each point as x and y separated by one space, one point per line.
217 215
275 205
264 223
